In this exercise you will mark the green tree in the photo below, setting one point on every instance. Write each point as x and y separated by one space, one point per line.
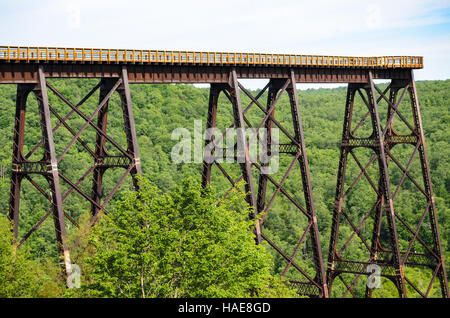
179 244
20 276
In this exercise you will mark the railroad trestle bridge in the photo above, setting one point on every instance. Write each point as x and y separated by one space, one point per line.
30 67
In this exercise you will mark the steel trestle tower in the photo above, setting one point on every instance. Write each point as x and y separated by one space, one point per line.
256 196
381 238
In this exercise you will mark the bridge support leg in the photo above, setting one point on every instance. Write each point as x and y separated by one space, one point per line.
101 154
47 166
243 154
438 256
210 125
381 145
258 167
19 130
307 187
100 151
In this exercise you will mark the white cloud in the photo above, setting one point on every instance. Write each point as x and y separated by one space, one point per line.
218 25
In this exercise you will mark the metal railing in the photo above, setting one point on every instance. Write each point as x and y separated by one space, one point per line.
10 53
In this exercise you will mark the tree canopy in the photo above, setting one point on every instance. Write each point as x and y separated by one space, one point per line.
179 244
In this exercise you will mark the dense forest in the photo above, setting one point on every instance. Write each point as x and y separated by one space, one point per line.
158 110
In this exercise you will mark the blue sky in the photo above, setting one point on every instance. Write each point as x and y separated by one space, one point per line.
345 27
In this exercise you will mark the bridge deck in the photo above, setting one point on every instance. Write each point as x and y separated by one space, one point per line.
18 65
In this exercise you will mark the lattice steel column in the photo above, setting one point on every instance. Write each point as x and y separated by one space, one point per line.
23 90
104 160
274 88
439 266
307 187
392 261
47 166
130 128
100 150
243 151
214 93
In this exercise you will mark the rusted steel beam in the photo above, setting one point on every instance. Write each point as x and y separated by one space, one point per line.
210 126
307 186
243 152
425 167
26 73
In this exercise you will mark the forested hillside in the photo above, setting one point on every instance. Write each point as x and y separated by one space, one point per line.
159 109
